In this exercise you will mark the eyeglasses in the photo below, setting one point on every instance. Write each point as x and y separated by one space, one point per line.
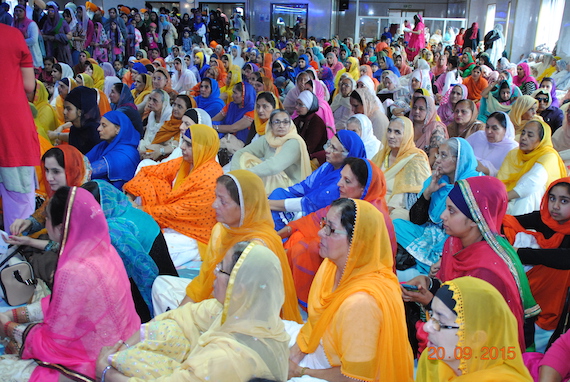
542 100
438 326
220 270
329 145
328 230
277 122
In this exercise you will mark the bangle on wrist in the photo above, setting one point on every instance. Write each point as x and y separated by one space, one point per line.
105 372
303 370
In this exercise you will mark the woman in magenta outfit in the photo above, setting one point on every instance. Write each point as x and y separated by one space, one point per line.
418 39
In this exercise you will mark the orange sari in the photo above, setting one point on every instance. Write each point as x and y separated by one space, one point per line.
186 206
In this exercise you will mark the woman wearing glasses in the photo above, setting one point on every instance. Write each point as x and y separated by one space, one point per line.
356 326
550 113
319 189
465 341
473 214
279 157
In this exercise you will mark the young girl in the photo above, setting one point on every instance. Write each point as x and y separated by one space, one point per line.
186 41
117 45
152 37
100 44
545 249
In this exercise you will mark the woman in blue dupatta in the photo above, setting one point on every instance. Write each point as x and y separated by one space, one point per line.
282 68
326 75
232 119
386 63
303 63
138 241
423 236
116 158
122 100
493 97
320 188
209 98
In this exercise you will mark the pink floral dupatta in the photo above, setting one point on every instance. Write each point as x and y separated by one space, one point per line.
91 305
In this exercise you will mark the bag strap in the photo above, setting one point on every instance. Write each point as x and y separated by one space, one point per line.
16 251
19 278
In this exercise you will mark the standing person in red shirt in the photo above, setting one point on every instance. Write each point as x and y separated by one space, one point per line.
20 151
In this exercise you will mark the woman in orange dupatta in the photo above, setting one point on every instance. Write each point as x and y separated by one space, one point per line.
303 244
356 326
222 73
179 193
547 250
254 224
475 84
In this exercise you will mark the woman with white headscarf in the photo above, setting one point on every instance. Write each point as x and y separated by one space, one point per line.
495 43
66 71
361 125
367 83
161 111
421 74
340 106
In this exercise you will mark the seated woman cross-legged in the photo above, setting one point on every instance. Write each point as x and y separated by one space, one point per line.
61 335
527 172
279 157
242 212
460 332
178 193
232 337
405 167
356 327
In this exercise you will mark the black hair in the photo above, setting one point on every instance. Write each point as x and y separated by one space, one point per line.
239 87
347 209
230 185
55 152
186 100
57 205
267 96
118 87
540 128
178 59
238 249
150 68
57 67
454 62
356 96
359 169
89 64
563 184
93 188
549 79
477 67
261 380
500 117
143 77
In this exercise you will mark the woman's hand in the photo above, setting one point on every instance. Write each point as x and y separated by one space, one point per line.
19 226
423 295
435 267
18 240
4 319
295 354
294 370
153 151
103 359
434 185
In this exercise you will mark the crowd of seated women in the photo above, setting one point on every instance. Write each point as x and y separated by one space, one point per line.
386 209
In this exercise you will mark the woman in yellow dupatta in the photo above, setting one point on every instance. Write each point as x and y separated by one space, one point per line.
233 337
464 335
522 111
234 77
356 313
527 171
353 69
46 119
405 166
254 224
98 74
143 87
85 79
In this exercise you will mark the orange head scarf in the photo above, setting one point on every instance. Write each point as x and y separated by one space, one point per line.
74 166
261 126
171 128
368 269
256 224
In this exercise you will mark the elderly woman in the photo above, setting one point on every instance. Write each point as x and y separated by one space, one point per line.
405 167
240 326
361 179
460 327
361 125
82 112
527 172
178 193
423 236
354 292
428 132
340 105
522 111
279 157
86 310
465 121
310 125
160 112
397 97
265 104
319 189
447 104
364 102
492 145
